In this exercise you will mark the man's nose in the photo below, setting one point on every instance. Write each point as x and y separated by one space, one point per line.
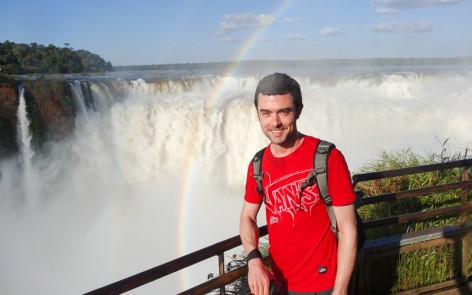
276 120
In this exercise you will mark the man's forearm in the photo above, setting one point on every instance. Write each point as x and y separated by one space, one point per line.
249 233
347 248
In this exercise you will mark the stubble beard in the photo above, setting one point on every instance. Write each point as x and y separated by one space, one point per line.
284 139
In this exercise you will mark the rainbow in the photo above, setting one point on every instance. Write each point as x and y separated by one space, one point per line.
246 48
190 176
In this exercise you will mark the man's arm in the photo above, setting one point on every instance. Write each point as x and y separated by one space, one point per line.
347 247
258 274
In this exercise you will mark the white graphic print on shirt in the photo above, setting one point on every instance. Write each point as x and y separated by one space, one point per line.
283 195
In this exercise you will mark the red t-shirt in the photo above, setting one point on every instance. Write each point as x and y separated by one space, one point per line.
303 247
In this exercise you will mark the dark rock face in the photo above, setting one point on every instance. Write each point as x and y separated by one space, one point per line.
50 111
8 119
51 102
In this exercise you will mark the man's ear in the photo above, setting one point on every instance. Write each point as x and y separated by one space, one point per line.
299 111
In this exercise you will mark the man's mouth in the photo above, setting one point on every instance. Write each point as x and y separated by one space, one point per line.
277 132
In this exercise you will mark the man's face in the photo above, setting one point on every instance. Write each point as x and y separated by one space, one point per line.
278 118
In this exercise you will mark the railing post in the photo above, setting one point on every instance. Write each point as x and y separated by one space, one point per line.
357 283
465 256
221 265
465 244
464 195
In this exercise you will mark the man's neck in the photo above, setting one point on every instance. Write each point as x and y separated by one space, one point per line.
282 150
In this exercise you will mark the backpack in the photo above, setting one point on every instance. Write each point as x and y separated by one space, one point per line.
319 174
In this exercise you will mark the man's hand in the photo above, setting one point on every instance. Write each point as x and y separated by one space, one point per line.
258 277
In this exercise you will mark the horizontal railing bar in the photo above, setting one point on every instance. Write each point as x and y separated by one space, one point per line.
410 170
393 242
222 280
418 216
416 192
459 283
215 283
165 269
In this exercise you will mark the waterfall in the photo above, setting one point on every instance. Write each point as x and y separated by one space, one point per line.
156 167
102 96
27 152
78 98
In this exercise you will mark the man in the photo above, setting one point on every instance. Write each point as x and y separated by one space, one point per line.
305 255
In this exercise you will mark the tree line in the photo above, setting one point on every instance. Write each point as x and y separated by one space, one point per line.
35 58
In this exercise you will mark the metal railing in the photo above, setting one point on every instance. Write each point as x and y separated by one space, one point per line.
459 234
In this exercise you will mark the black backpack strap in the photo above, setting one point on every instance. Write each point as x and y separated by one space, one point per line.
257 171
320 170
319 174
320 162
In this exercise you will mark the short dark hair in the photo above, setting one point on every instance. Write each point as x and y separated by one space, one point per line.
279 84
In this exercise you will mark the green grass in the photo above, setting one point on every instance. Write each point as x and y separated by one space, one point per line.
422 267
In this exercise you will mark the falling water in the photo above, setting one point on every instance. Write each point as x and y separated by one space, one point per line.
156 169
24 134
27 153
78 98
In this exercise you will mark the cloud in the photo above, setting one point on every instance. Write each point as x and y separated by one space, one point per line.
234 22
328 31
386 10
294 37
407 4
292 20
406 27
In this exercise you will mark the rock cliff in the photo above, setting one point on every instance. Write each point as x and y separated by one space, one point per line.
49 107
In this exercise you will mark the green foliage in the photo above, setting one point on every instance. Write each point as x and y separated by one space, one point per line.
34 58
402 159
426 267
412 269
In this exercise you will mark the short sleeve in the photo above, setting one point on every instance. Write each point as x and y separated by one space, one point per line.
251 195
339 180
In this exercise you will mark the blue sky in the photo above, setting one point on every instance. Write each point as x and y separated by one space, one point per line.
138 32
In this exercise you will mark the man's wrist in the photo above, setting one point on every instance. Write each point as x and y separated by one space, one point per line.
255 253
